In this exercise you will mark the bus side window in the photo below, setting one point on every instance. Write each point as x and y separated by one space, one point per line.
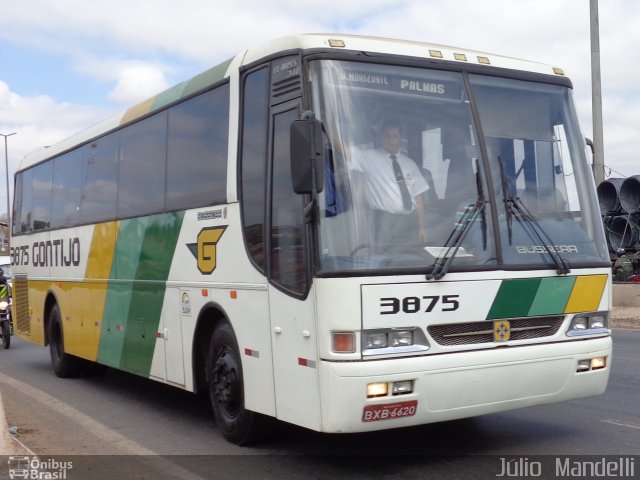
67 189
253 166
197 144
41 196
100 180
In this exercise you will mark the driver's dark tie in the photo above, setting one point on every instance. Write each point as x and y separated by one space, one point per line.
404 190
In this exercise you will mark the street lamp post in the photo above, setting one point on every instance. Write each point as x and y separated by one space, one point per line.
6 164
596 95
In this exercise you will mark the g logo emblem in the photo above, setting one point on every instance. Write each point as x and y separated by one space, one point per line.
206 248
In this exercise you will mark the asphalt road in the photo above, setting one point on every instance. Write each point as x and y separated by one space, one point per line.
164 432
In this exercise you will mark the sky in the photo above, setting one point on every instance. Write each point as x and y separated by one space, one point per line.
66 65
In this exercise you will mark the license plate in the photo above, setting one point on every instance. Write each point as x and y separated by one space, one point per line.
389 411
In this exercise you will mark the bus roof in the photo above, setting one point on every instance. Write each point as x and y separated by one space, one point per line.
327 41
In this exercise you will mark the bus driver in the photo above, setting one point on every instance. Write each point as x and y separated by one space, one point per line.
393 185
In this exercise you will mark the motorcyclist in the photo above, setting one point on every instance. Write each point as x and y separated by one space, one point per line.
5 288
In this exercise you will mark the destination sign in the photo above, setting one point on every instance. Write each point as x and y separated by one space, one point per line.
401 83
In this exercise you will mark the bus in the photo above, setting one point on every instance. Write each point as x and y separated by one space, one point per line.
220 237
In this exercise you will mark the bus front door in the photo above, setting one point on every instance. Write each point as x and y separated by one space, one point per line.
294 359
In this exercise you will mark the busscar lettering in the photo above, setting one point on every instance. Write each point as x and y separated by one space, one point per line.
290 67
50 253
285 66
210 215
524 249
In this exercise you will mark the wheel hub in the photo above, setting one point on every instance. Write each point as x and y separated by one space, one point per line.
226 383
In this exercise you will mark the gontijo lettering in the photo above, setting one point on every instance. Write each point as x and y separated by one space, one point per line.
50 253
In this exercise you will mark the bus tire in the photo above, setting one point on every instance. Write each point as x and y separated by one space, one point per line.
64 365
226 390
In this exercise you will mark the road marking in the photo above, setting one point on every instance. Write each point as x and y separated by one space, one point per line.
621 424
130 447
95 427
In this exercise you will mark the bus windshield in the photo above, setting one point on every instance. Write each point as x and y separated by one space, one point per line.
406 182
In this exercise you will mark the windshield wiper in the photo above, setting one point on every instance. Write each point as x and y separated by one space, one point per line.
462 227
515 207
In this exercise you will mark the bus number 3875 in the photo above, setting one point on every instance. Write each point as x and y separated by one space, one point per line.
427 303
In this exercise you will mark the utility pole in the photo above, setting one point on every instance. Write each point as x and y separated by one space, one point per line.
596 95
6 163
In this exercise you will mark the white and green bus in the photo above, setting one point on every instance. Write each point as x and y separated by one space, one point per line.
220 237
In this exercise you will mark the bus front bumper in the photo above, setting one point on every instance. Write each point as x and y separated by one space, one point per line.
459 385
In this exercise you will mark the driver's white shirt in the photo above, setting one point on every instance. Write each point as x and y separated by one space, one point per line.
382 189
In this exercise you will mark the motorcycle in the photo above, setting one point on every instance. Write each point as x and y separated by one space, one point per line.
6 325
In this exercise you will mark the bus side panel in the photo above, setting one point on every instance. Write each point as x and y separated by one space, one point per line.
212 272
128 247
168 357
295 359
143 254
249 316
83 303
31 259
22 324
37 295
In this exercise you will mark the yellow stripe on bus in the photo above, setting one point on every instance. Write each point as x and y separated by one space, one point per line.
103 246
87 300
586 294
37 295
138 110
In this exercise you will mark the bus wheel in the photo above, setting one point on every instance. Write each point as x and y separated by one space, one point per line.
64 365
226 390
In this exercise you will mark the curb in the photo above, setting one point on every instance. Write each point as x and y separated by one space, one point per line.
9 445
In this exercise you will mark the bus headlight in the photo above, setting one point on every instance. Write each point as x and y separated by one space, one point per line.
402 338
376 340
390 338
389 341
598 321
580 323
589 324
387 338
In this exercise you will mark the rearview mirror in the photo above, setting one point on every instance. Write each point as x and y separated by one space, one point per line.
306 156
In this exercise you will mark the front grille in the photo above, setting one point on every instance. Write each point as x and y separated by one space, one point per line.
482 332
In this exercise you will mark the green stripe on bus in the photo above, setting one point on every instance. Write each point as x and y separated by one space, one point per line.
144 251
553 294
514 298
206 79
169 96
158 246
118 298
